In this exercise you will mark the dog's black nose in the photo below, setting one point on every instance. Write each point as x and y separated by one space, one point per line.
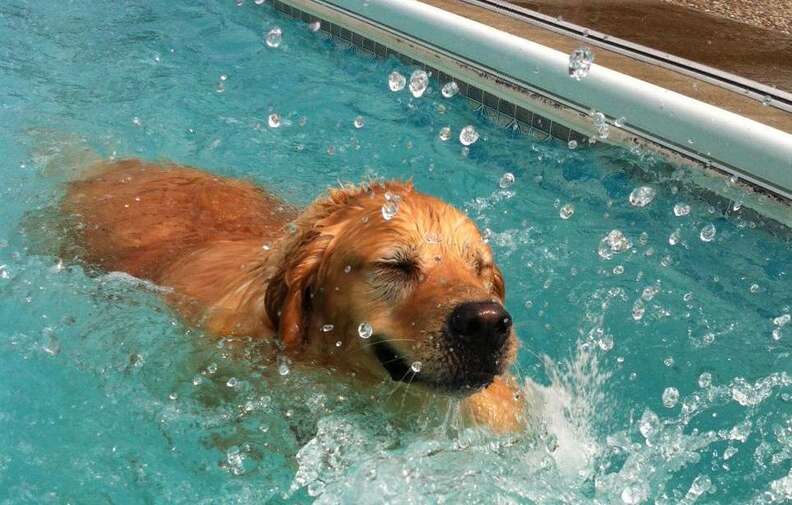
486 324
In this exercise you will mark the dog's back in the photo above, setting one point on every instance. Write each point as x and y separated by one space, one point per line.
139 217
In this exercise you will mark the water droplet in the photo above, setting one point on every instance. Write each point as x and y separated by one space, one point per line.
396 81
359 122
566 211
766 100
670 397
649 425
419 81
211 369
638 310
618 270
603 132
506 180
390 207
197 379
754 288
605 342
707 233
259 2
326 328
449 89
642 196
445 133
339 343
598 118
572 144
283 365
580 61
274 37
468 135
365 330
674 238
782 320
705 380
634 494
274 120
613 243
232 382
315 26
416 366
681 209
136 121
620 122
52 345
347 269
701 485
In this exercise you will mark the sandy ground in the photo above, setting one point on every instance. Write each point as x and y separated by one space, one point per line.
769 14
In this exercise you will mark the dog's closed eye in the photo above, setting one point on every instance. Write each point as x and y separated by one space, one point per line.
398 262
395 273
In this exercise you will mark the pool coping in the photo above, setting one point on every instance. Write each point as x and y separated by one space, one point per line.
535 111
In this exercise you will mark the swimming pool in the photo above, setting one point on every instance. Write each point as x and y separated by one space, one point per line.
107 397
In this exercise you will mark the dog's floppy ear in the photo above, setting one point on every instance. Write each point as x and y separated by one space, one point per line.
498 284
288 297
288 300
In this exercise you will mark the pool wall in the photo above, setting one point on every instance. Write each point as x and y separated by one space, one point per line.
526 86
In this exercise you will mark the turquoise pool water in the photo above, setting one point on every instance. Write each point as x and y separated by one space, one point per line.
106 397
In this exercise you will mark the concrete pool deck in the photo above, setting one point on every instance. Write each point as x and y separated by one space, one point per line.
664 77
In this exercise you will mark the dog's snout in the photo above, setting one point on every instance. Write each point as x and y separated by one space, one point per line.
486 323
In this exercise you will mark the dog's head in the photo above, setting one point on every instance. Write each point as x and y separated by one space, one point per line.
384 279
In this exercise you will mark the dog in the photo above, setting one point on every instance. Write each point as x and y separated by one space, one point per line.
375 281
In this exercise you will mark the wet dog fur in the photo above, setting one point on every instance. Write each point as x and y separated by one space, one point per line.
241 262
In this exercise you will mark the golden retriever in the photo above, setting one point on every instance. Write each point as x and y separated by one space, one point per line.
379 258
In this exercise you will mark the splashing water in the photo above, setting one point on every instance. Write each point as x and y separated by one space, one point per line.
419 82
681 209
608 321
707 233
450 89
613 243
391 206
580 61
274 37
468 135
365 330
396 81
642 196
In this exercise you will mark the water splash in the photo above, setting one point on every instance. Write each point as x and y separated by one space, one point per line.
580 61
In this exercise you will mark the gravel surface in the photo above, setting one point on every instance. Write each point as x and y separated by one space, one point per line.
769 14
